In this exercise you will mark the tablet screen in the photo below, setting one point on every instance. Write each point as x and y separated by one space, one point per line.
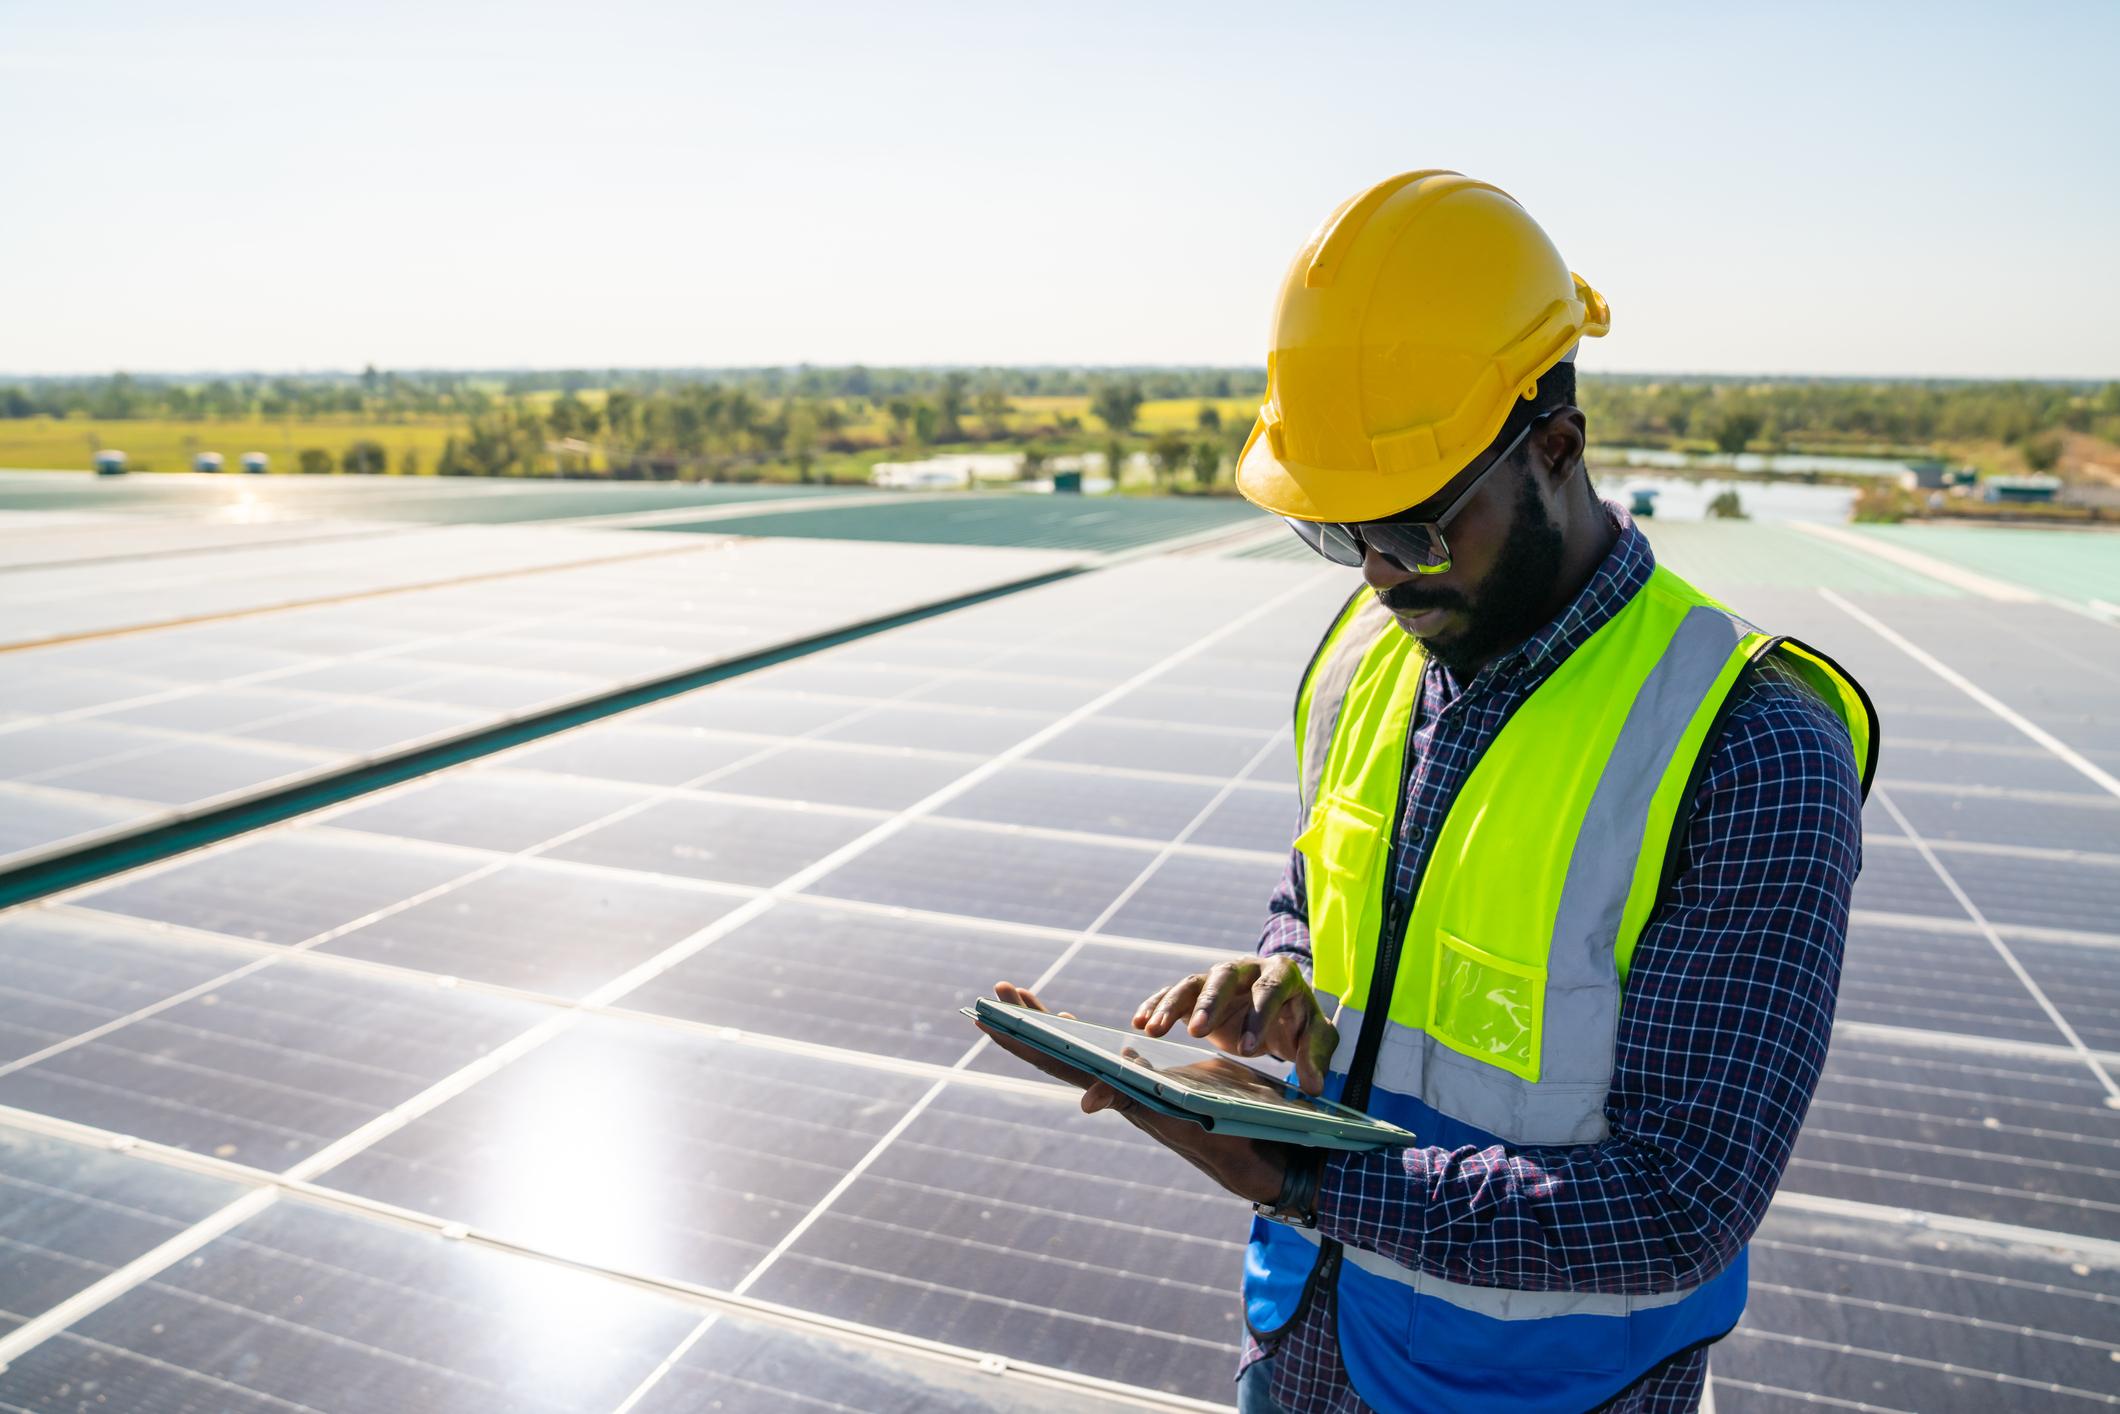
1193 1068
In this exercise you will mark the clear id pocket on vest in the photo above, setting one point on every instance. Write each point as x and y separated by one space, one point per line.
1487 1007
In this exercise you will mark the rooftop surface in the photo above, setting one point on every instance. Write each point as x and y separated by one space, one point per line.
497 945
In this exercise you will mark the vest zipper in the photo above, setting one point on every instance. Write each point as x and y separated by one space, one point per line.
1383 977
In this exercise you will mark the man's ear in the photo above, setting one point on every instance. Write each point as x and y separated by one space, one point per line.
1558 445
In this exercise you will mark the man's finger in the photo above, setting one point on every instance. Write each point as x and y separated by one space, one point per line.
1320 1040
1268 995
1176 1002
1013 995
1148 1007
1223 993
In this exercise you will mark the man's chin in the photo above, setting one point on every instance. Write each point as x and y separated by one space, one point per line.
1428 625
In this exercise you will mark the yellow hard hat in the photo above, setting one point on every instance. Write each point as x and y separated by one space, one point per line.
1409 324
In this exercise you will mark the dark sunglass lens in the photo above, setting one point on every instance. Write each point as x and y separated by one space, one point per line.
1413 546
1329 539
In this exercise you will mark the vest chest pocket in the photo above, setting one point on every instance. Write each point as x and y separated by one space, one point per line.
1487 1007
1341 848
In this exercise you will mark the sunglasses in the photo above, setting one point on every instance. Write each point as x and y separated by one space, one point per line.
1415 546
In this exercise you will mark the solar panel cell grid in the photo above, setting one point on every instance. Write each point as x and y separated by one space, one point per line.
976 874
1016 1223
1936 981
36 818
280 888
271 1067
1141 747
68 974
860 981
491 809
659 1152
537 927
300 1308
938 729
1075 800
70 1215
740 1366
2052 821
883 778
1207 903
1851 1315
644 755
726 841
2081 892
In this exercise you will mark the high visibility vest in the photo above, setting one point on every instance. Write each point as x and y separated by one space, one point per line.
1486 1012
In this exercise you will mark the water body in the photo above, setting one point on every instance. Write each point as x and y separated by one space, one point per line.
1786 463
1680 498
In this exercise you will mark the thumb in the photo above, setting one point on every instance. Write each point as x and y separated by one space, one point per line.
1101 1096
1321 1039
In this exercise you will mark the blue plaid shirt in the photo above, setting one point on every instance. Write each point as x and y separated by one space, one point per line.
1722 1032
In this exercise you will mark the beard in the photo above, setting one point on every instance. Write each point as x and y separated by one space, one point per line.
1506 607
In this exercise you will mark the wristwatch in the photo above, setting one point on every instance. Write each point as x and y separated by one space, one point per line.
1297 1204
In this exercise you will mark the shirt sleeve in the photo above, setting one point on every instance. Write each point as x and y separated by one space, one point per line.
1722 1036
1287 930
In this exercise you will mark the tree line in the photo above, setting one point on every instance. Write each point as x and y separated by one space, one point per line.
743 423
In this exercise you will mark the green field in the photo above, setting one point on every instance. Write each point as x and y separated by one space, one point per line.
162 444
168 444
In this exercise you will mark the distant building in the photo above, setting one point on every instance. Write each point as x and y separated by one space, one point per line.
2034 488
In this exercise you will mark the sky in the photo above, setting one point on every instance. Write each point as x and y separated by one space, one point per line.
1851 188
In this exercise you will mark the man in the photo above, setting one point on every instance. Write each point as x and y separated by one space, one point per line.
1572 878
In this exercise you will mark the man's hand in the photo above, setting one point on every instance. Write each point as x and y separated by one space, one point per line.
1250 1007
1250 1168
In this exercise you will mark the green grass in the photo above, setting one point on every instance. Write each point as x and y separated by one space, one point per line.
166 444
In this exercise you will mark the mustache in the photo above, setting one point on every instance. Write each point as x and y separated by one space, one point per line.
1406 599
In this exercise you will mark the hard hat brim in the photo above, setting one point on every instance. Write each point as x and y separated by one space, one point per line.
1279 486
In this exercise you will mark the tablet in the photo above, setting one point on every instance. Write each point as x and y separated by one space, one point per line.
1216 1091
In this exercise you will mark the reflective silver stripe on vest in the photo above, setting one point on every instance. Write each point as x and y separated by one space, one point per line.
1567 1105
1411 1062
1501 1303
1582 979
1328 694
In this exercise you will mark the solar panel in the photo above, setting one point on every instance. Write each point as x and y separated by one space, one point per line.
279 888
1851 1314
268 1068
1203 900
858 980
1941 1242
1016 1223
1097 803
536 926
300 1307
68 973
660 1152
426 646
72 1215
728 841
982 874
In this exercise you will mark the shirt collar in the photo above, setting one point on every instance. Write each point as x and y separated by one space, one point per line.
1623 571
